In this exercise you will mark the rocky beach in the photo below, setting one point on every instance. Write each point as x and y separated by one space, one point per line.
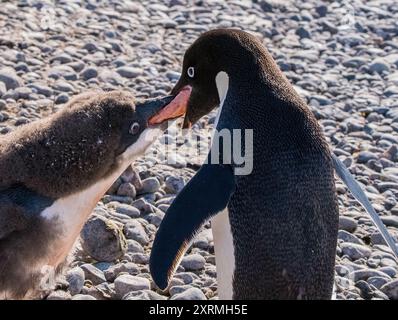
341 56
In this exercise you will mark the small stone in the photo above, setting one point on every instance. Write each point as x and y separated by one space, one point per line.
177 289
379 65
9 78
390 221
186 277
190 294
149 185
128 210
355 251
330 27
174 185
348 237
75 278
129 72
90 47
144 295
135 231
59 295
193 262
89 73
391 289
127 189
140 258
128 267
303 33
62 98
389 271
3 88
131 175
377 281
95 275
62 58
365 156
83 297
364 274
127 283
42 89
321 10
63 86
143 206
102 239
347 224
134 246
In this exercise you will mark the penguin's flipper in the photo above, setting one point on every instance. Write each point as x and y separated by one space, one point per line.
205 195
18 205
360 195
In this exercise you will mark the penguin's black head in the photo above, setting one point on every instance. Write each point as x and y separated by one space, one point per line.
208 64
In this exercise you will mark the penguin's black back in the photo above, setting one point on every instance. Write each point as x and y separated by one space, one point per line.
284 215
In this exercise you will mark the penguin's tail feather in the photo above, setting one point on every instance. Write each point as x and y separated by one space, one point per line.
361 197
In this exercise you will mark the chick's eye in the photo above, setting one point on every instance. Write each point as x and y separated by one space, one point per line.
191 72
135 127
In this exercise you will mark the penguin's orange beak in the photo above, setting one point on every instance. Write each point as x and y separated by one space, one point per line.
175 109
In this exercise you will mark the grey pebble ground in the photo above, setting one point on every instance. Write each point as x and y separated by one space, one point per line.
342 57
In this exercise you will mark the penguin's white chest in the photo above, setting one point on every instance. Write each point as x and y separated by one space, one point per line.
69 215
222 235
71 212
225 254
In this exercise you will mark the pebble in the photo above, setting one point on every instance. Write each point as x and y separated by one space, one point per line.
348 224
128 210
135 231
355 251
143 295
101 230
149 185
9 78
89 73
75 278
379 65
83 297
95 275
391 289
129 72
112 272
127 283
134 246
59 295
174 185
127 189
190 294
193 262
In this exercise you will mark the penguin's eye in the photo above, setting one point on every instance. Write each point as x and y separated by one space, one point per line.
135 127
191 72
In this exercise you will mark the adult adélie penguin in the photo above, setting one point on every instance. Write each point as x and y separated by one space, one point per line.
275 229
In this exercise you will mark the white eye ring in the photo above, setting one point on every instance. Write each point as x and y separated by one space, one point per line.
191 72
135 127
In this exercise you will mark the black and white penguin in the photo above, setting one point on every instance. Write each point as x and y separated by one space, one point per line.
275 230
52 174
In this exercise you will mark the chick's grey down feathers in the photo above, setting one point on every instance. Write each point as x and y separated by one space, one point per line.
46 160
